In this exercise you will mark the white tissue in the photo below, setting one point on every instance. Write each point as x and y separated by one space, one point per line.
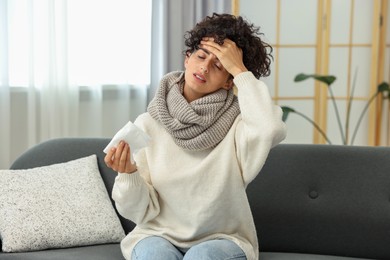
131 134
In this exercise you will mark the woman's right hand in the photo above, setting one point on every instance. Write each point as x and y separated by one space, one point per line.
118 159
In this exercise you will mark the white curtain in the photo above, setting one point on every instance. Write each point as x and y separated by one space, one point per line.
5 121
47 91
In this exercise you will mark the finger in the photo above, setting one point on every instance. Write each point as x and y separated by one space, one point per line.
129 163
209 43
108 157
227 41
208 39
123 158
227 44
216 48
118 153
213 40
211 47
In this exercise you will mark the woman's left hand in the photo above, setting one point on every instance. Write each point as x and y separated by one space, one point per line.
228 53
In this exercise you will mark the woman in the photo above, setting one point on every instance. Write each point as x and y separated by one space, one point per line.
186 191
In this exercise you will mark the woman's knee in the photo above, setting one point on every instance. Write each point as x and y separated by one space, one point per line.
154 247
220 249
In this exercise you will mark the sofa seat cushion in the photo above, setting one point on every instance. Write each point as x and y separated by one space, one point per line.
97 252
113 252
296 256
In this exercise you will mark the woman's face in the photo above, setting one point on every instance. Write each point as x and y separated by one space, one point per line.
204 75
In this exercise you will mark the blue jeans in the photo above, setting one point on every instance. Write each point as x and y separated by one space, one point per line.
158 248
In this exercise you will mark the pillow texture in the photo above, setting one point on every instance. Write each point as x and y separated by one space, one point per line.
56 206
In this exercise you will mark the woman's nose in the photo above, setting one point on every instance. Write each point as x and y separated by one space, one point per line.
205 66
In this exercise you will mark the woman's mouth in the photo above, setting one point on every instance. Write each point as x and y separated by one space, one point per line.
199 77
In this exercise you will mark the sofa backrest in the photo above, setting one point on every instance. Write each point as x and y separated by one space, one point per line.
66 149
324 199
319 199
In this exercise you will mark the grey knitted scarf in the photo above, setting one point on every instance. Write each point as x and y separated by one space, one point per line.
198 125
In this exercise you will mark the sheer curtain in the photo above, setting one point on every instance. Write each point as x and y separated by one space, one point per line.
5 108
70 69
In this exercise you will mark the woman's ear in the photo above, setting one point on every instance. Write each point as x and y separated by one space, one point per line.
187 56
228 84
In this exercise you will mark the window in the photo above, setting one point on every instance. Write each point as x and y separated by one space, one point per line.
92 42
343 38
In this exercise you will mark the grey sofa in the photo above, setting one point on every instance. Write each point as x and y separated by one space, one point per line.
309 201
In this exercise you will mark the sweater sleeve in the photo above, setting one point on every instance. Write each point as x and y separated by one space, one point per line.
261 126
134 196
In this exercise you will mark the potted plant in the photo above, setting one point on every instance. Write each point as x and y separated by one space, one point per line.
383 89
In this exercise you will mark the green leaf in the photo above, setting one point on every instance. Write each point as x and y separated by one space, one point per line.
286 112
301 77
384 86
328 79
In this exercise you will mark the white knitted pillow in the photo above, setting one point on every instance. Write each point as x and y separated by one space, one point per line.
56 206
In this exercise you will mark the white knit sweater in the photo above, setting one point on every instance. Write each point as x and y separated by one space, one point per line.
192 196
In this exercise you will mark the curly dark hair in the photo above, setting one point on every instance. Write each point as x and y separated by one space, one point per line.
257 55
